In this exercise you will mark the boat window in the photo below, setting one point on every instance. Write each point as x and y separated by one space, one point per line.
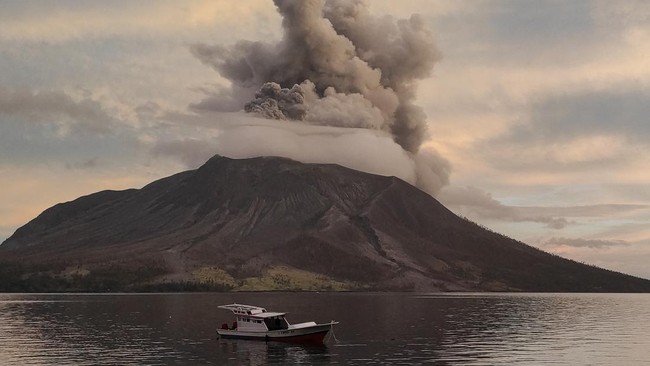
276 323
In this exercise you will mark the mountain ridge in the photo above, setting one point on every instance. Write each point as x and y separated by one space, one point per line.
273 223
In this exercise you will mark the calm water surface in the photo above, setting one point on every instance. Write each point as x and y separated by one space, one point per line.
382 328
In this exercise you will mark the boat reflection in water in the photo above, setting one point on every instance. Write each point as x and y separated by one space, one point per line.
273 353
254 322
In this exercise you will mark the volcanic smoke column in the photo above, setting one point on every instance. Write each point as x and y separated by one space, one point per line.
336 65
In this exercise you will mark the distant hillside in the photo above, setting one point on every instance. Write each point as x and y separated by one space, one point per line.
274 223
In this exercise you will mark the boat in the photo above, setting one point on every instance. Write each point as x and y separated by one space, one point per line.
254 322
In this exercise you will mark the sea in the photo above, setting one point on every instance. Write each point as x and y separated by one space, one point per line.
374 329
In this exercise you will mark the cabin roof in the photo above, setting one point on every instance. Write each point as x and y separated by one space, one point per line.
243 308
250 310
267 314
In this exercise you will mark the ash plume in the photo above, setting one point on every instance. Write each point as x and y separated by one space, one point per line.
275 102
336 65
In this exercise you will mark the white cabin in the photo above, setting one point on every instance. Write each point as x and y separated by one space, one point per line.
250 318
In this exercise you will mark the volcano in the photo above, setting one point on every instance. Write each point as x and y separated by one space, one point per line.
271 223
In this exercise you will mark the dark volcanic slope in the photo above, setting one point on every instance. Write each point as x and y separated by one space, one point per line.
245 216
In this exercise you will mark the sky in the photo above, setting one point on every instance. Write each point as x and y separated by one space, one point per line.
537 111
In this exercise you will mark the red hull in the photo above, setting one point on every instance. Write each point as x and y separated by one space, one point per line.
313 338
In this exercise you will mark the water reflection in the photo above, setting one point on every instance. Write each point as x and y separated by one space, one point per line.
137 329
387 329
84 331
547 328
246 352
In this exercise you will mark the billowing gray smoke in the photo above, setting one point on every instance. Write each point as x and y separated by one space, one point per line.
274 102
336 65
338 48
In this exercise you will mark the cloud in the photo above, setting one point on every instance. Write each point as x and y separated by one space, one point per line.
592 135
585 243
622 14
477 204
193 152
239 135
244 136
42 128
627 256
85 164
85 116
532 24
72 20
610 112
221 98
601 210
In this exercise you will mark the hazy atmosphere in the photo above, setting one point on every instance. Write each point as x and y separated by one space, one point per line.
527 117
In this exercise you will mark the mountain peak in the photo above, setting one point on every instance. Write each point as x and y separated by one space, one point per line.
270 222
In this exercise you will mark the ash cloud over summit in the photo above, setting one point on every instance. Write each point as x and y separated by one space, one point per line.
336 65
